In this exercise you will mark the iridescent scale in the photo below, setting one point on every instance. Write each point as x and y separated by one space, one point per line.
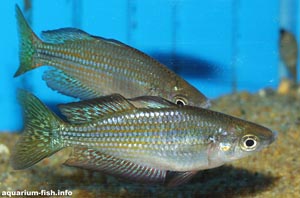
144 134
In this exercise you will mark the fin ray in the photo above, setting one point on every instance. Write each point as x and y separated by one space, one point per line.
39 139
95 160
73 34
151 102
89 110
181 178
27 43
64 34
65 84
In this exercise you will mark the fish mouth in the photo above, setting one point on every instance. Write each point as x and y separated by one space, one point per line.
274 136
269 140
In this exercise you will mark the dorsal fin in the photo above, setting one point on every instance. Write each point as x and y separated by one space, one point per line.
65 34
73 34
155 102
92 109
111 41
88 110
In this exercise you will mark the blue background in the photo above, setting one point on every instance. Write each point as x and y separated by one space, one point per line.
211 44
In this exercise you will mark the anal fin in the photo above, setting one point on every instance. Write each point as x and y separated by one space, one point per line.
67 85
179 178
95 160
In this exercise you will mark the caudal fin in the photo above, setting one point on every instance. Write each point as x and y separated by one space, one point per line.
27 42
40 138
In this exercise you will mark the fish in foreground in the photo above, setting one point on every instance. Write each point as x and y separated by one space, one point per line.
141 139
88 66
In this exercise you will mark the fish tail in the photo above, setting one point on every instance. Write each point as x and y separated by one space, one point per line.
28 42
40 138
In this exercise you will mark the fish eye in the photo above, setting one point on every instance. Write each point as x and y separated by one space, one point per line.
249 142
180 102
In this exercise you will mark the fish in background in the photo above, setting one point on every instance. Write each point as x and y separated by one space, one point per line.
88 66
141 139
289 53
27 5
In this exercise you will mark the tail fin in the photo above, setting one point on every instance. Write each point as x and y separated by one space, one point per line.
40 138
28 41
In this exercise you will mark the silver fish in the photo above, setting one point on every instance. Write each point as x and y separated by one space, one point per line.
88 66
140 139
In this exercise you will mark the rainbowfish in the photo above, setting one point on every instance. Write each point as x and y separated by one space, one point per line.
141 139
88 66
288 49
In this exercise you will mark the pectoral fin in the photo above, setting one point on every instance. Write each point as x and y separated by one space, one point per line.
151 102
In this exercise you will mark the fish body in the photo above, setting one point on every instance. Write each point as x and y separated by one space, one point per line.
139 138
88 66
288 49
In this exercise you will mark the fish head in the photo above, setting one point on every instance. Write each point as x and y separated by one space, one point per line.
242 139
185 94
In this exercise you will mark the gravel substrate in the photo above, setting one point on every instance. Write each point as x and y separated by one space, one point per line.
274 172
